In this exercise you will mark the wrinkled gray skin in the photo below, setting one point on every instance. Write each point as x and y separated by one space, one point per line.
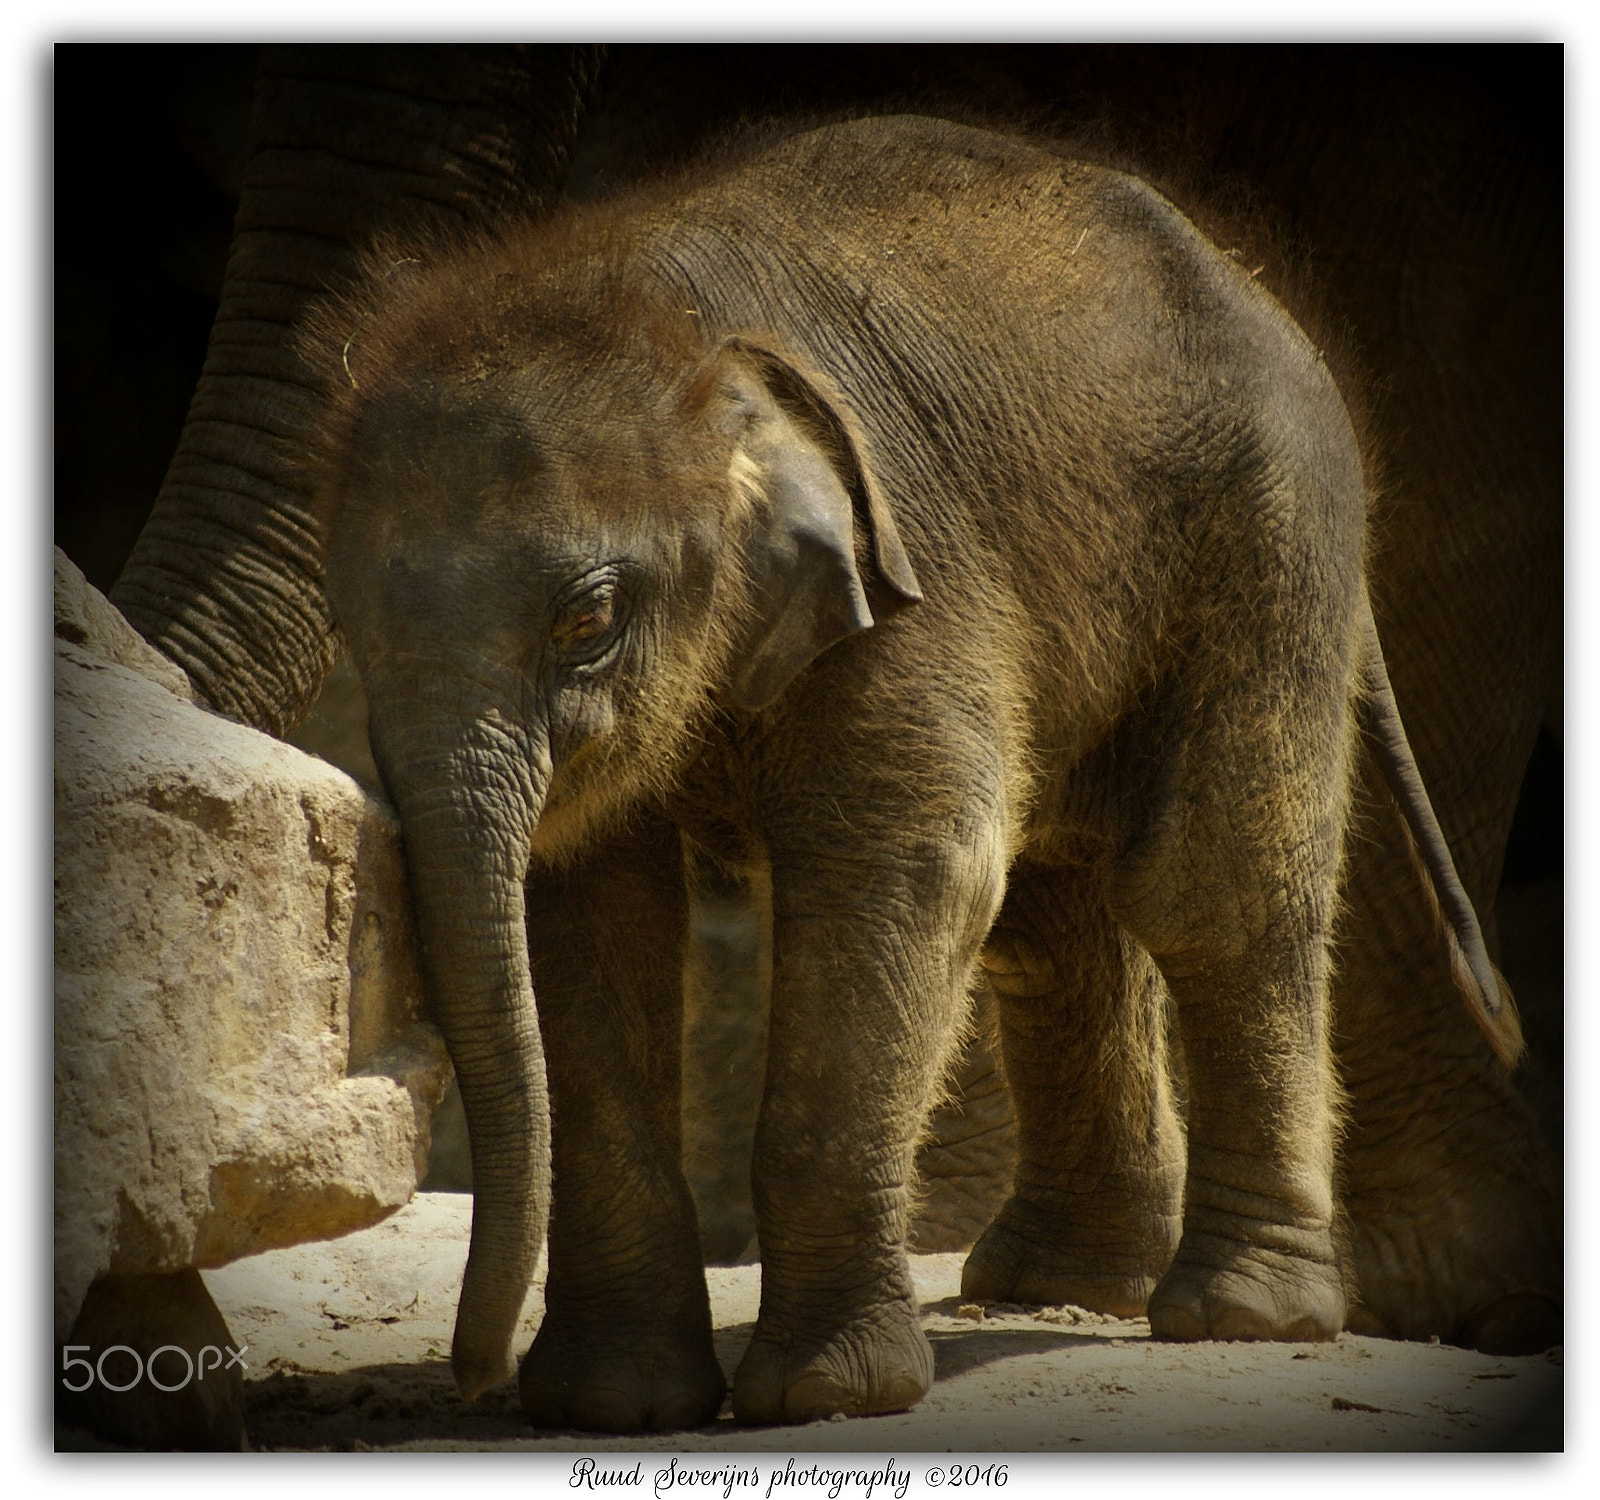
1425 202
999 607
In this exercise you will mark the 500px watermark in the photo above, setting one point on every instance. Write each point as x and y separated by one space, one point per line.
194 1366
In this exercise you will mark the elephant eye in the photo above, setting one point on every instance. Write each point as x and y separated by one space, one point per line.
586 617
586 624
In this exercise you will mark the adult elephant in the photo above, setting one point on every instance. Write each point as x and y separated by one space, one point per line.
1420 187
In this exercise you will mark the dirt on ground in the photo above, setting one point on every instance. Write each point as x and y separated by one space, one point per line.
348 1349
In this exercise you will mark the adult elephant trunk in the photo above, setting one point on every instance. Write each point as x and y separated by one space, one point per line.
226 578
469 794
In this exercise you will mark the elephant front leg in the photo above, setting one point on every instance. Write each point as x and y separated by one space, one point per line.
626 1340
871 971
1094 1215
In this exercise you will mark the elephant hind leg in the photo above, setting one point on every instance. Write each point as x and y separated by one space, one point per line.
1232 892
1094 1214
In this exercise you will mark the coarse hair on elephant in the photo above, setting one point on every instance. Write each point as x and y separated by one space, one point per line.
944 527
1422 185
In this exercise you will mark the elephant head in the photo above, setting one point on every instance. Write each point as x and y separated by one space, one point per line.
558 540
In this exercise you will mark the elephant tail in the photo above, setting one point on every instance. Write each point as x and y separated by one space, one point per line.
1480 984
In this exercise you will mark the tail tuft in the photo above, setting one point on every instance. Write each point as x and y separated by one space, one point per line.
1496 1013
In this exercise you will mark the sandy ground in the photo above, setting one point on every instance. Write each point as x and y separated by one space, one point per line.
349 1343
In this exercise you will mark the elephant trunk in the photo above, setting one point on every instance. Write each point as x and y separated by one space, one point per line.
468 804
226 578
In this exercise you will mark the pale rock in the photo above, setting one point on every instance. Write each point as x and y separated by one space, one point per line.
240 1059
86 618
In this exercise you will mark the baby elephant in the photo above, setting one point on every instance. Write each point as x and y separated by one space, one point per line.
946 532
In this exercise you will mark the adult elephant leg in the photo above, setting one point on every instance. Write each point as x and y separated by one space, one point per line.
626 1340
1453 1200
967 1160
226 578
1095 1214
874 941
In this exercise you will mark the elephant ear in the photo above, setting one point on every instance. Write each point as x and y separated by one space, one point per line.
797 445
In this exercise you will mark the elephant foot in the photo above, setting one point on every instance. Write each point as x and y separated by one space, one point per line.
621 1381
877 1363
1522 1322
1519 1322
1475 1263
1036 1255
1222 1289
